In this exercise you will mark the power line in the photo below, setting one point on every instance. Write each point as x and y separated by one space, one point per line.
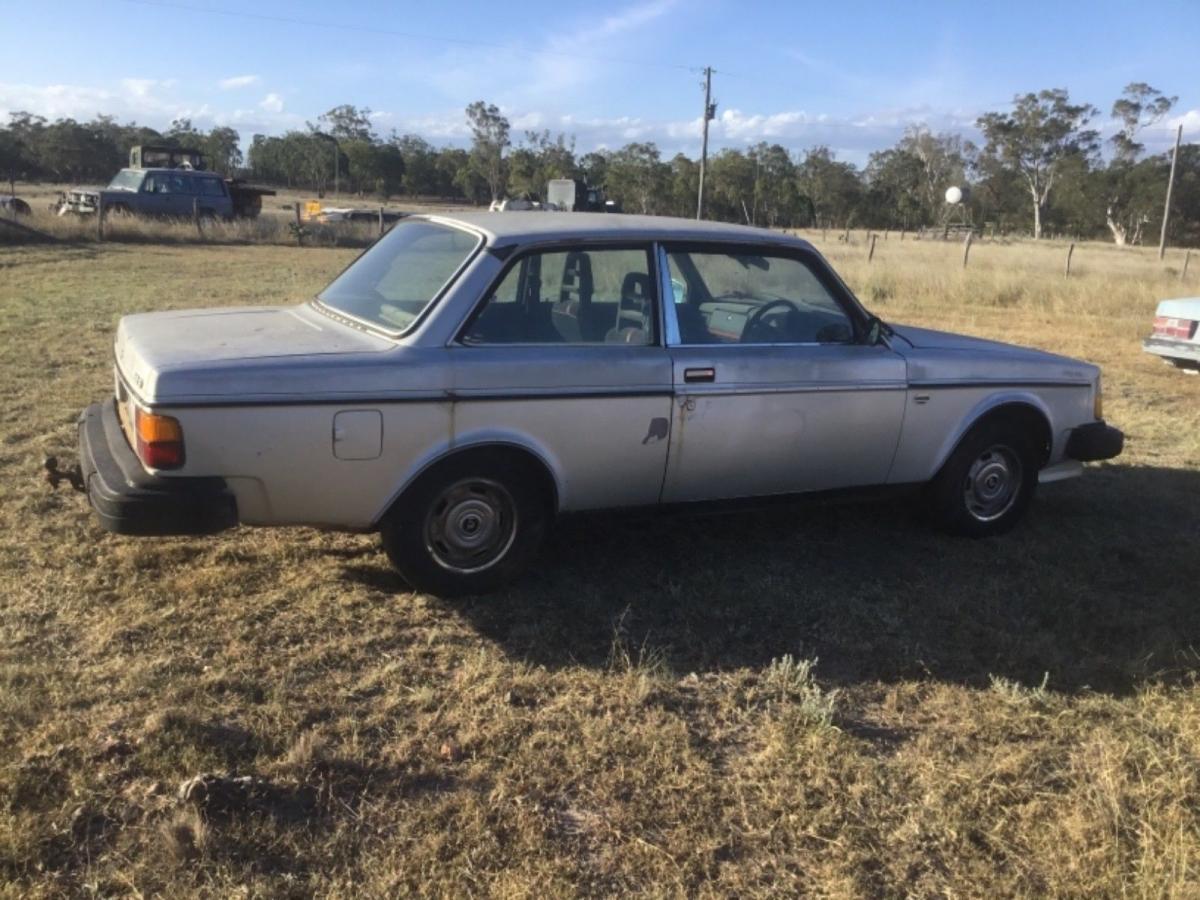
411 35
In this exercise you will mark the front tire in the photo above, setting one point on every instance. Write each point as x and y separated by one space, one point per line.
988 482
468 526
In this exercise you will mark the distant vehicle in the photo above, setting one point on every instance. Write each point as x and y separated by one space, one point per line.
1176 334
574 195
472 376
168 181
332 215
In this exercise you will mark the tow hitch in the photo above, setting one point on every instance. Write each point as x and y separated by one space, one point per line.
54 474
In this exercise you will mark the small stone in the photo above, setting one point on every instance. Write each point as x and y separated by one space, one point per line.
451 751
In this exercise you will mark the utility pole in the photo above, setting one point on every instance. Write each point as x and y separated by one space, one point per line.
1162 239
710 112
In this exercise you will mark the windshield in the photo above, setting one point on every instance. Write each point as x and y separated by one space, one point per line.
392 283
126 180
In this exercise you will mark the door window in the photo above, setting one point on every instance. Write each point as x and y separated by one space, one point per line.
576 296
750 298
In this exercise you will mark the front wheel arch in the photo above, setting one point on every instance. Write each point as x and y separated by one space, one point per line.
1025 416
1004 448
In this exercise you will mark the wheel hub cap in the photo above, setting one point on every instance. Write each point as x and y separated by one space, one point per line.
992 483
471 526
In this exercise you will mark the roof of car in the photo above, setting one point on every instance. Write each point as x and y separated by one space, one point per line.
503 228
177 170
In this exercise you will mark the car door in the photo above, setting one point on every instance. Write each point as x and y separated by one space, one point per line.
181 193
774 392
564 356
152 197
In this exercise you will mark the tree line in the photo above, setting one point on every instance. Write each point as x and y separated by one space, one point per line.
1041 167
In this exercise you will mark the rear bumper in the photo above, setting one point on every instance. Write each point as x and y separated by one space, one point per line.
129 500
1094 441
1188 350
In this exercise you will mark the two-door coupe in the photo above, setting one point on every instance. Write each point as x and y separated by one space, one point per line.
469 377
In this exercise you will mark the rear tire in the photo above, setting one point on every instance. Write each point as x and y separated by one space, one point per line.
467 526
988 482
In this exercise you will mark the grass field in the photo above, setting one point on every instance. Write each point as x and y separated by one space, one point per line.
821 701
272 226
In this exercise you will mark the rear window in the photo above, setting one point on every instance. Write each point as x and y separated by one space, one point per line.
391 284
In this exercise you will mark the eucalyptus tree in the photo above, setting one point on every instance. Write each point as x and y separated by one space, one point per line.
1034 139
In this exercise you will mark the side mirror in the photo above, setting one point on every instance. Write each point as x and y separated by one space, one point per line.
874 331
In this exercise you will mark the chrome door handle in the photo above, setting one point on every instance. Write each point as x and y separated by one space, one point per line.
692 376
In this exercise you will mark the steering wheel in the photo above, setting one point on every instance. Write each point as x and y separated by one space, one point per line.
756 318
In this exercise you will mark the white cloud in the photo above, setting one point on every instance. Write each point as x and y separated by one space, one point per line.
631 18
272 103
238 81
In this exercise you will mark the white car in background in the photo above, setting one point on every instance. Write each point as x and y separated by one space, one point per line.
1176 335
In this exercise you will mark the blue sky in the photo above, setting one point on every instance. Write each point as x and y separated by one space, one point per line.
849 75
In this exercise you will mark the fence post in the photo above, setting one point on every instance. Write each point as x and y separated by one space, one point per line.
871 252
299 227
196 217
1187 257
1070 253
902 230
100 219
967 247
381 221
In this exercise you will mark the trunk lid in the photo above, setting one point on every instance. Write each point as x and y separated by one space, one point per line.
165 355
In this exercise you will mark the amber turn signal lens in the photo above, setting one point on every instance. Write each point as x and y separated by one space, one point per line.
1098 403
159 440
153 428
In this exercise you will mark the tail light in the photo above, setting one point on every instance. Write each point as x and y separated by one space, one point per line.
1098 400
1173 327
159 440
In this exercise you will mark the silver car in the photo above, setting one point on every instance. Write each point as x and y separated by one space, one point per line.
470 377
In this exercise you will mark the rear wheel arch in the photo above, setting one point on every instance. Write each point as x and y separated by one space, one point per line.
523 461
470 522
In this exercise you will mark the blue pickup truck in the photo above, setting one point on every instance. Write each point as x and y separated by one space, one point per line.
168 182
168 192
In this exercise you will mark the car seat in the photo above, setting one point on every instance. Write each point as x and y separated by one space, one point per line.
571 315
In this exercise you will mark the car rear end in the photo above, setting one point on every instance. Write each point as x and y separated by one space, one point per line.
126 453
1176 334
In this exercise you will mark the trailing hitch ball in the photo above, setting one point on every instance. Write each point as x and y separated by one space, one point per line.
53 474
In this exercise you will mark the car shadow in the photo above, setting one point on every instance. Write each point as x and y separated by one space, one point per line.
1097 589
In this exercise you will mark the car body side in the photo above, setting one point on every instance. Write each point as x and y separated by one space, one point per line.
313 419
180 204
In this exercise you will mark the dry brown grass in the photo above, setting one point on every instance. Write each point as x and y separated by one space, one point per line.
1017 717
273 226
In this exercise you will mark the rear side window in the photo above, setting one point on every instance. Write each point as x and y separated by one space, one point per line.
179 184
577 296
211 187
